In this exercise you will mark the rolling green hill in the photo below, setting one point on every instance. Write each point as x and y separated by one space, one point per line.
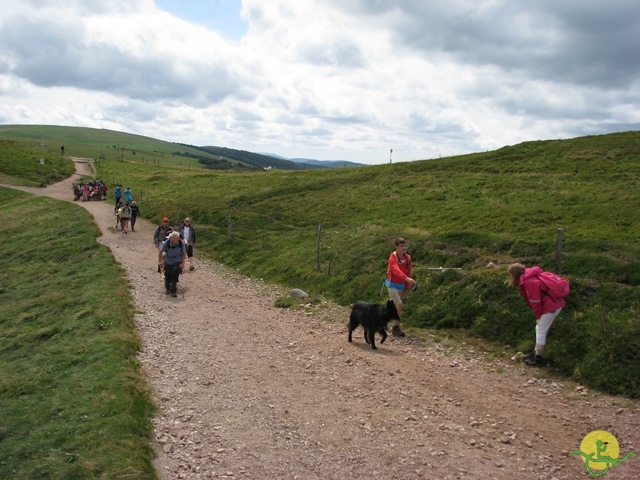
111 145
461 212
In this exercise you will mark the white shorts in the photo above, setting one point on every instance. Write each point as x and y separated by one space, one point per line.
543 325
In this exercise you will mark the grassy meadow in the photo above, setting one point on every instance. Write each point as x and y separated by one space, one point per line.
73 404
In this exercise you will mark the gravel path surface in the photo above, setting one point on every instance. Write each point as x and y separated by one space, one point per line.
249 391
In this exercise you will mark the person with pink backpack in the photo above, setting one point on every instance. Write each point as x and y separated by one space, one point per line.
544 292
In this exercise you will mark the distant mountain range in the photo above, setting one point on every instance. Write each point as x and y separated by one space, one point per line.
317 163
267 161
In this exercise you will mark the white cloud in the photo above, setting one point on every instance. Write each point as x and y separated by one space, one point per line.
324 78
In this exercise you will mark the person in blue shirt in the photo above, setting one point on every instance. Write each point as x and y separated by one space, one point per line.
118 194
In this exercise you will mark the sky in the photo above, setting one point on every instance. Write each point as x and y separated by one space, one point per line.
369 81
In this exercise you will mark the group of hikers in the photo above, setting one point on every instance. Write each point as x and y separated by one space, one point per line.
93 190
175 245
126 213
118 193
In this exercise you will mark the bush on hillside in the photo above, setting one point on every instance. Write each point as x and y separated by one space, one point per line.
598 346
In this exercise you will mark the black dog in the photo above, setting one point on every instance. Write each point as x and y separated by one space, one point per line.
374 318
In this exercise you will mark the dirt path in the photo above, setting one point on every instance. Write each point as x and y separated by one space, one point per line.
250 391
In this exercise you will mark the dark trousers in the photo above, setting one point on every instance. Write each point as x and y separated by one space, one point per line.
171 274
133 221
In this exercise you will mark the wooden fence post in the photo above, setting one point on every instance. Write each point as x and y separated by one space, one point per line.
557 263
318 253
603 320
229 225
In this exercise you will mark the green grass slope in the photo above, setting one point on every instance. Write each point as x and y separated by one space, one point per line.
31 166
73 402
112 145
102 144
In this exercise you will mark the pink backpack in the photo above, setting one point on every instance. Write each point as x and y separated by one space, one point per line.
556 285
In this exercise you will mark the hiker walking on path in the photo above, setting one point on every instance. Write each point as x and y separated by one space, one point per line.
174 254
188 234
135 211
399 281
125 215
545 303
159 237
128 196
118 194
116 212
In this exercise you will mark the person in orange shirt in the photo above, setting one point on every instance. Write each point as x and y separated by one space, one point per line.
399 281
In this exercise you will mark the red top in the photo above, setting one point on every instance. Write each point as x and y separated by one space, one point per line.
399 269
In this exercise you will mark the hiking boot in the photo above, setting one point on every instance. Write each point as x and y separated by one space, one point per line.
534 360
191 267
396 332
174 294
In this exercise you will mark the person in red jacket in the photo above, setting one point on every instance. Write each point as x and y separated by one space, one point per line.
399 281
545 307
